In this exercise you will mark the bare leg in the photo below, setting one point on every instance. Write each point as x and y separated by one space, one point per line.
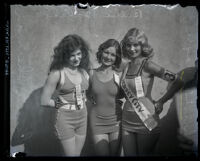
147 143
101 144
115 143
69 146
79 140
129 141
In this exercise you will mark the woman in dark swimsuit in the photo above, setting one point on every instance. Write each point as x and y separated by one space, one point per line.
140 137
105 115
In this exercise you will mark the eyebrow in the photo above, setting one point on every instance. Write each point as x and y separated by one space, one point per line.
135 42
76 53
109 52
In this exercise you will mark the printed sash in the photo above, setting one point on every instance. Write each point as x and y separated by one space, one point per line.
144 114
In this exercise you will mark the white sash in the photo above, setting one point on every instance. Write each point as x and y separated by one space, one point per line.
116 78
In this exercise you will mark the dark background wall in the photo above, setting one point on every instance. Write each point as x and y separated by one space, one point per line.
36 30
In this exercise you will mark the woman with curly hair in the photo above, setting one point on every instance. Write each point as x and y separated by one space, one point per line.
65 89
105 114
140 117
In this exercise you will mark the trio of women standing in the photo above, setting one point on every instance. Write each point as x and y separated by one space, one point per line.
70 83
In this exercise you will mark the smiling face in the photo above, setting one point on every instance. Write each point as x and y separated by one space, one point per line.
75 58
109 56
133 48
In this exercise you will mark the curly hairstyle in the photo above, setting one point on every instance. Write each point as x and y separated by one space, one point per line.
106 45
141 38
63 51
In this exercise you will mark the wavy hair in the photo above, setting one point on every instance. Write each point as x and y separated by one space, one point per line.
141 38
106 45
66 46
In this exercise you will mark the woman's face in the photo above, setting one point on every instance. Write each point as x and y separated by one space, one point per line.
133 48
109 56
75 58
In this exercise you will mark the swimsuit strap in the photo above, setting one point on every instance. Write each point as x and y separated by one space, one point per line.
139 70
125 71
142 66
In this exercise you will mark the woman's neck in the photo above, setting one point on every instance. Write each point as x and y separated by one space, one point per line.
105 69
72 71
136 60
72 68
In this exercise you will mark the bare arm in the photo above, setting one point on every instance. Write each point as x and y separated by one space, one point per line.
168 76
121 94
49 88
174 79
175 87
88 92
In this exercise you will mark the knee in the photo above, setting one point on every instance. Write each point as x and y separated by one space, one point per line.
102 148
115 147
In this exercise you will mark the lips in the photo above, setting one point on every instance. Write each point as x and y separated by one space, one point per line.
132 53
76 62
107 61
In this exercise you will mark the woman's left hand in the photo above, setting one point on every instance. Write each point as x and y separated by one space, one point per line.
158 107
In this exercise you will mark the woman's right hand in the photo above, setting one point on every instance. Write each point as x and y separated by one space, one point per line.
158 107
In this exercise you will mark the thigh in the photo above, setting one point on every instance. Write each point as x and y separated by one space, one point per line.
114 143
81 127
69 146
64 128
79 142
129 142
101 144
147 143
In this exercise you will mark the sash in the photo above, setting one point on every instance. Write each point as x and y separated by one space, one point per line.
141 110
116 78
78 96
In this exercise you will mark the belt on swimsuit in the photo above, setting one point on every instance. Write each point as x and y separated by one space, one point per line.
71 107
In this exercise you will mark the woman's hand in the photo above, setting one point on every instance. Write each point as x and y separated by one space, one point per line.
158 107
58 103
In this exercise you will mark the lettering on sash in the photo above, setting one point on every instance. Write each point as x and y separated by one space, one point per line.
140 109
139 87
78 94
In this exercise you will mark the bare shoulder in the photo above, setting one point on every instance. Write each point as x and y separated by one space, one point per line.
118 72
151 66
92 70
54 76
85 73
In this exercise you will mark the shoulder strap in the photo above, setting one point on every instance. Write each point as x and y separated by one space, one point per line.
142 66
125 71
